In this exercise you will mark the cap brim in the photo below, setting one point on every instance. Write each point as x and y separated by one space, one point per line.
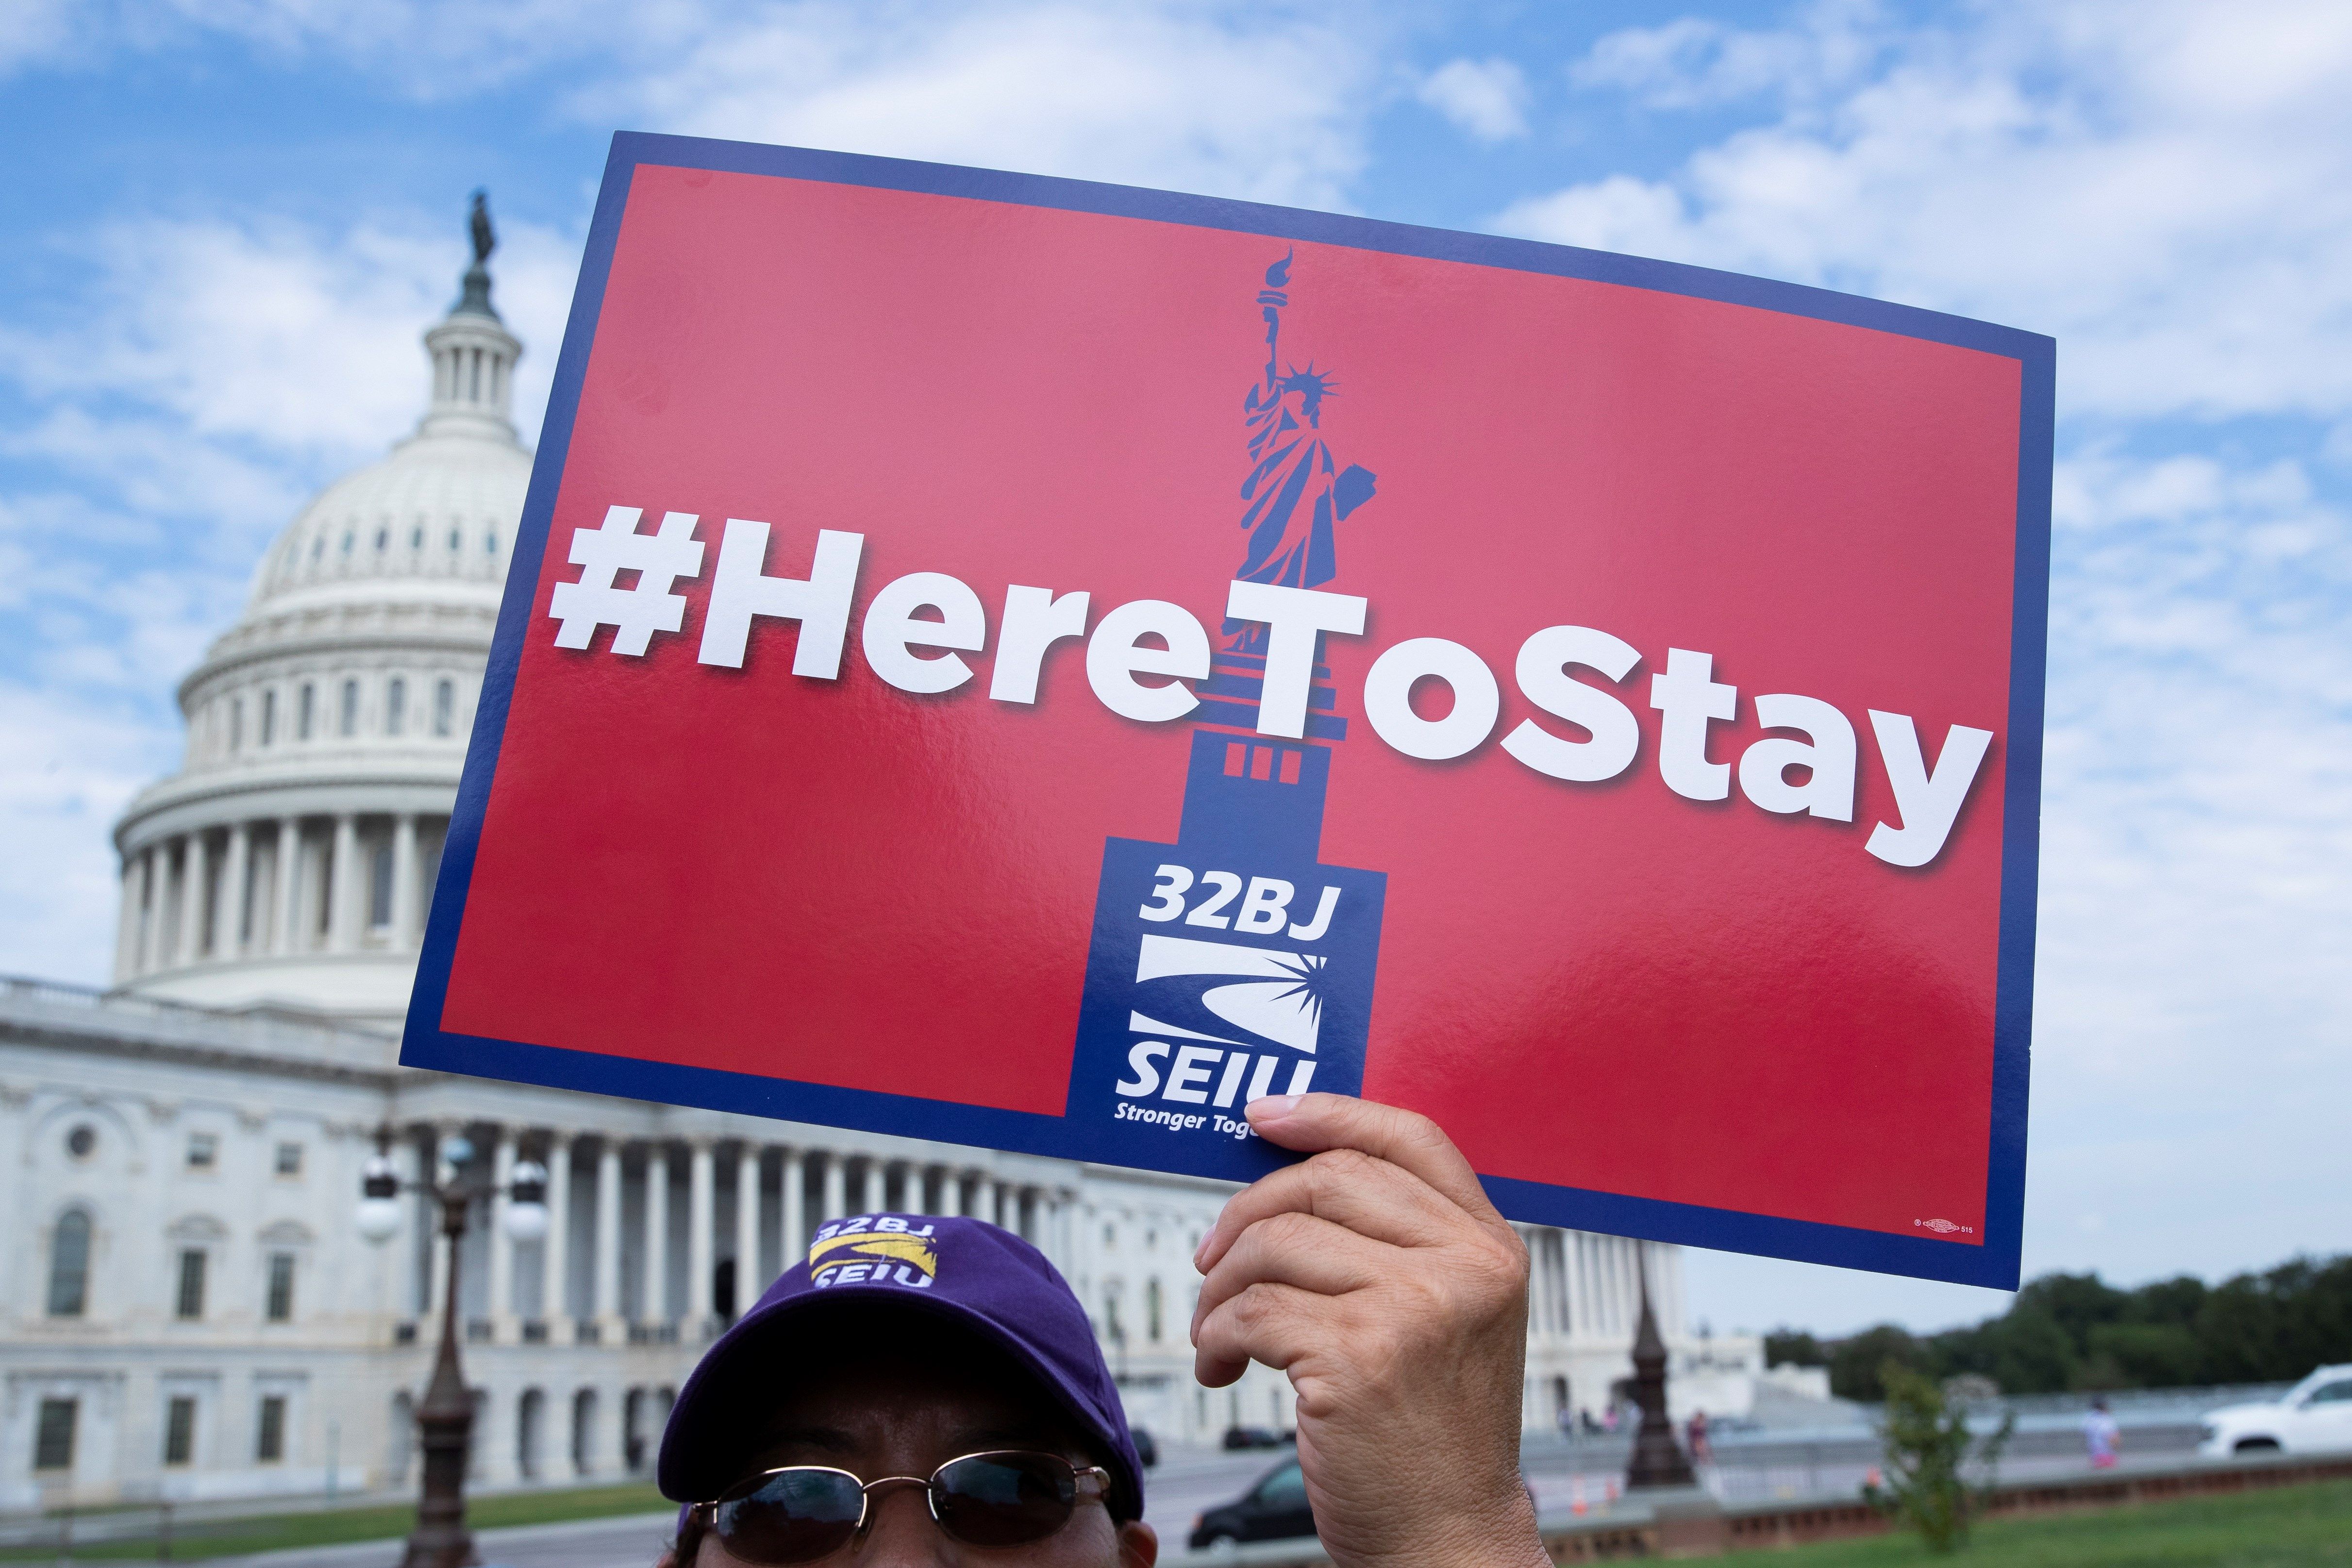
703 1449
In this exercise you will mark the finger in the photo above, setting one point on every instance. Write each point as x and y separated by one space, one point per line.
1297 1249
1313 1122
1269 1323
1347 1187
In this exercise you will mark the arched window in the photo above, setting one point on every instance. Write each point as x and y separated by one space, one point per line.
304 707
584 1432
269 717
1151 1314
445 707
351 714
395 705
70 1265
530 1417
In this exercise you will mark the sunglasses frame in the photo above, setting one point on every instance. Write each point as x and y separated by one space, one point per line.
1088 1481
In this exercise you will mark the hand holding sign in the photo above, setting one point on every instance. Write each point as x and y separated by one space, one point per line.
1378 1277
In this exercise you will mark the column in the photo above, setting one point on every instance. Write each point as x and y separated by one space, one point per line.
748 1277
1534 1283
151 909
656 1308
408 1283
701 1218
984 1204
402 936
135 900
501 1291
342 873
950 1191
604 1293
191 897
869 1194
437 1288
790 1242
289 933
228 909
555 1259
836 1202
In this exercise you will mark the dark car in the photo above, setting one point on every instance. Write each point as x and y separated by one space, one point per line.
1251 1437
1146 1447
1274 1508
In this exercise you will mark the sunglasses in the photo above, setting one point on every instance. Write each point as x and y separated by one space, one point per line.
802 1512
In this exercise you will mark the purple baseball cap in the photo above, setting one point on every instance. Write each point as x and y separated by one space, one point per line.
967 1270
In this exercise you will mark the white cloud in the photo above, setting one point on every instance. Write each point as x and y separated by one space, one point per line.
1265 102
1265 105
1693 62
211 375
69 772
1488 98
264 331
2165 187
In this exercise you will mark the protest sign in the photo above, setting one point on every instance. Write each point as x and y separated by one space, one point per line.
1037 664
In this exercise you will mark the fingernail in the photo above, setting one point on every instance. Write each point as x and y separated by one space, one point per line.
1201 1251
1271 1107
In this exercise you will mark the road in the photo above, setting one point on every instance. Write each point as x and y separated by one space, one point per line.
1749 1468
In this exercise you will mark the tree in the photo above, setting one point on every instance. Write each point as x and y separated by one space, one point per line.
2141 1355
1855 1362
1927 1443
1792 1347
2076 1303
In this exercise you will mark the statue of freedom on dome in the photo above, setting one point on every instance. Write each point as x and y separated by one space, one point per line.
476 299
1295 493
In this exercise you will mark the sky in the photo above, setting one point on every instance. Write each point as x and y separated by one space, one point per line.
227 221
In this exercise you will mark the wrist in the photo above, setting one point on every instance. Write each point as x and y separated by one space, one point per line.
1505 1537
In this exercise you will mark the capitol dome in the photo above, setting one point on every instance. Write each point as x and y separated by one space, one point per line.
286 865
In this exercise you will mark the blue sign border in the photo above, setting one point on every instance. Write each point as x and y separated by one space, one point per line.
1994 1262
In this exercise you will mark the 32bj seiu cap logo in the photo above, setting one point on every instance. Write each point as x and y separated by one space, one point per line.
879 1249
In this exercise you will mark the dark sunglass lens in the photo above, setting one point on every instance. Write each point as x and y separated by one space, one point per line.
1004 1499
795 1516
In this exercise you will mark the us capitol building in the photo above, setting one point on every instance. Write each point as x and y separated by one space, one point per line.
186 1307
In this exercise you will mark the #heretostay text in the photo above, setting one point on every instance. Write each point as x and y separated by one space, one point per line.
932 611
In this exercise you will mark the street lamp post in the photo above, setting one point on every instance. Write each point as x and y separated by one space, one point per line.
444 1421
1658 1459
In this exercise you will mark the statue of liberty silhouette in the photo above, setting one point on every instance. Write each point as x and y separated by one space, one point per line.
1295 493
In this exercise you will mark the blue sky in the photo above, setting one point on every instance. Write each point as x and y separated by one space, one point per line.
226 223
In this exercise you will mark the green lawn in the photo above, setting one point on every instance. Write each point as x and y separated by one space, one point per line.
2288 1527
230 1538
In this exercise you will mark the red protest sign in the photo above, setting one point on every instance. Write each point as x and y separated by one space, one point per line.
1038 665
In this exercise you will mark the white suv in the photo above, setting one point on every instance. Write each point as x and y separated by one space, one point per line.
2314 1414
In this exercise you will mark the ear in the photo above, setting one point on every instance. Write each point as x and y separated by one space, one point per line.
1138 1544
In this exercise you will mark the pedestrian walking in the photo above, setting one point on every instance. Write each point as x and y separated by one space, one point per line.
2100 1436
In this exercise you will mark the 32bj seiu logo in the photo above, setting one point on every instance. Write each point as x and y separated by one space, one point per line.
1234 963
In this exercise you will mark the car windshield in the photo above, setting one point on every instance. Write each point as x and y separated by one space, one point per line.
2319 1385
1285 1488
